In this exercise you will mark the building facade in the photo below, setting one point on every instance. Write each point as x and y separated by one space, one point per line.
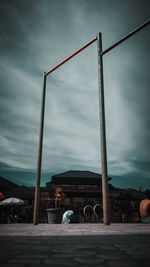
80 191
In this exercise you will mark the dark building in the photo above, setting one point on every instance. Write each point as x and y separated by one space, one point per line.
74 190
77 189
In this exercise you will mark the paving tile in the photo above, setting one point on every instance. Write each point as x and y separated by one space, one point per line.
37 265
30 257
140 256
61 256
60 262
25 261
113 256
11 265
120 263
89 261
41 248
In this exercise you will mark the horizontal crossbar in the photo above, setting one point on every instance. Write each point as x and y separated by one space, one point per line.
69 57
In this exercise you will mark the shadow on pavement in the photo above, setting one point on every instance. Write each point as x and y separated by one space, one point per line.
86 250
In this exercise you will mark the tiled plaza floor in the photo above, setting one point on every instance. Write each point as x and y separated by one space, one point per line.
117 245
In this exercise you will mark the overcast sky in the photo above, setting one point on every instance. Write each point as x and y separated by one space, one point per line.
34 37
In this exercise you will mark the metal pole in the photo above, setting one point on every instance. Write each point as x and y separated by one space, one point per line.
126 37
105 192
39 161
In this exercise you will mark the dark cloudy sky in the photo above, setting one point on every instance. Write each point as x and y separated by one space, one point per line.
35 36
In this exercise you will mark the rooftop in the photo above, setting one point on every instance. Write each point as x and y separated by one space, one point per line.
78 177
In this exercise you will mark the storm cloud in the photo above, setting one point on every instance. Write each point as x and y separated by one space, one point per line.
34 37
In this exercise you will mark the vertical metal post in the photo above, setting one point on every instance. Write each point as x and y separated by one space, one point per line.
39 161
105 192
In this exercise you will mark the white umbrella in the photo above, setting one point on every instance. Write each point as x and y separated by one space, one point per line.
12 201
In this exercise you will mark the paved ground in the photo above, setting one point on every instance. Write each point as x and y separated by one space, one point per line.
117 245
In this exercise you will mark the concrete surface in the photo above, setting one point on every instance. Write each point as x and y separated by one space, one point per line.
117 245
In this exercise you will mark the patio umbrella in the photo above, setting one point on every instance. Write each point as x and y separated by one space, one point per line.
12 201
1 195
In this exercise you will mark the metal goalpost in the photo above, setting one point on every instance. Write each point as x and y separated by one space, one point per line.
105 191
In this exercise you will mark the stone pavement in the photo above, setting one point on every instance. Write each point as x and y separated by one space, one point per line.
117 245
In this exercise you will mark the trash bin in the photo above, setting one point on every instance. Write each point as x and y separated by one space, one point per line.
55 215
